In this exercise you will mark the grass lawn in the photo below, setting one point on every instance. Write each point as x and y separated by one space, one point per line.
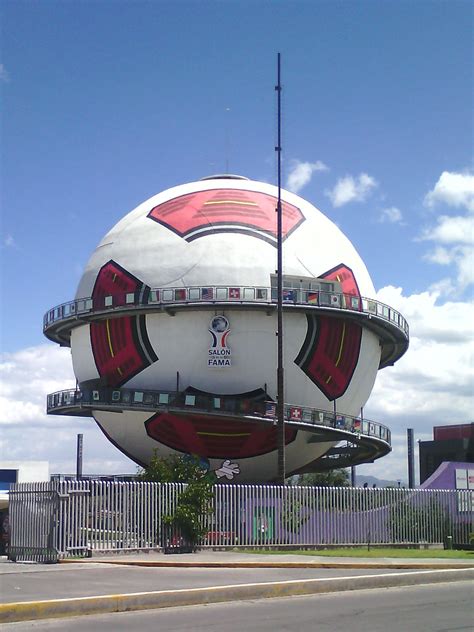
374 553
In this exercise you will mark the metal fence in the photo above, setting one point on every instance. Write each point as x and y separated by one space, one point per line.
53 520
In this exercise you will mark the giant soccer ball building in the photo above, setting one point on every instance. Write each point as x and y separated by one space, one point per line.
173 334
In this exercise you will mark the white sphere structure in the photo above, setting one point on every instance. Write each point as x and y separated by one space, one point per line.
173 333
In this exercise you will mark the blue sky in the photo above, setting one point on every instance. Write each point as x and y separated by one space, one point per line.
107 103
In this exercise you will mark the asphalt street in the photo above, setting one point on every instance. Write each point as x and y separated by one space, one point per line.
438 608
34 582
137 582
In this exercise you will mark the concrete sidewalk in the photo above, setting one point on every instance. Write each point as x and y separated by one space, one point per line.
115 583
240 559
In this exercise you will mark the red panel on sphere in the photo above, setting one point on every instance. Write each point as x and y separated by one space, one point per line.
120 346
214 437
117 353
226 210
113 280
345 277
330 353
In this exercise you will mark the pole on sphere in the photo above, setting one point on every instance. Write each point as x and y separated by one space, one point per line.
280 376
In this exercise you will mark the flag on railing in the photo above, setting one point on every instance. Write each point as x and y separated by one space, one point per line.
207 293
234 292
270 409
340 421
295 413
289 295
180 295
312 297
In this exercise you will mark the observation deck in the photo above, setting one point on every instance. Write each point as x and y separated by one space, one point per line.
354 440
358 440
385 322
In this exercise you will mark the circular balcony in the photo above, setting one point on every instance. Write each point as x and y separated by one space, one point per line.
388 324
358 440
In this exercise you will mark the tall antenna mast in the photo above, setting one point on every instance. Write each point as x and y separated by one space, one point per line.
280 377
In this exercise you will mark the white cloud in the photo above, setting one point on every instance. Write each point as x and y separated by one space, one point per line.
453 236
4 76
26 377
453 189
9 242
350 189
432 384
451 230
392 215
301 173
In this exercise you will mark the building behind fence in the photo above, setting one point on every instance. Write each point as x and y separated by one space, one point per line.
61 519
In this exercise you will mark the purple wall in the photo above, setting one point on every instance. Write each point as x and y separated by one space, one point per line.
445 476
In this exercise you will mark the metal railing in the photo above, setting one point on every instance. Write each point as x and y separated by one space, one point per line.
159 298
50 521
74 402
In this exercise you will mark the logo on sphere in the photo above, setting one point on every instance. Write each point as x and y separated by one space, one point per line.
219 355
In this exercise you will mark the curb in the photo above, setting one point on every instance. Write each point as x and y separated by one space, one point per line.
79 606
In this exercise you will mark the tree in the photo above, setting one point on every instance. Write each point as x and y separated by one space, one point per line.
331 478
194 501
174 469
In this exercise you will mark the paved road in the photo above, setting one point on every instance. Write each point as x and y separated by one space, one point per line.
35 582
115 584
433 608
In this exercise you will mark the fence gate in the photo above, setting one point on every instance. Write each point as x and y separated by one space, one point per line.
47 521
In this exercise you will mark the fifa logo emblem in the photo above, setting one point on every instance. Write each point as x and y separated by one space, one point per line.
219 355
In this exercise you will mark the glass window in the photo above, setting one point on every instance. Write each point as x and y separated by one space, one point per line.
163 398
108 301
327 287
130 298
167 295
88 304
324 298
95 396
126 396
217 402
195 294
221 293
261 294
115 396
138 397
249 294
154 296
190 400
